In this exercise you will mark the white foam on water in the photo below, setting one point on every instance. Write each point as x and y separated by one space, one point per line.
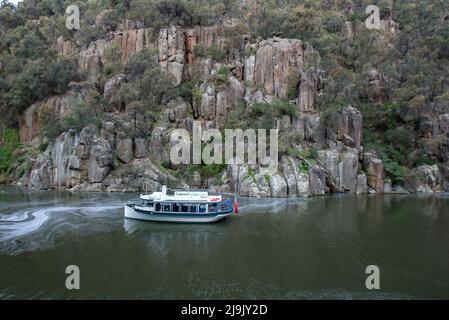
24 223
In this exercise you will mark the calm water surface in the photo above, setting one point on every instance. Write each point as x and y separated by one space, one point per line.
276 248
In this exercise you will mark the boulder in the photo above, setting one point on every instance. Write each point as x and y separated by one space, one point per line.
100 160
330 160
249 68
85 139
263 185
317 181
90 60
208 102
290 174
425 179
302 184
362 184
61 153
140 148
374 170
195 182
42 176
125 150
350 127
314 130
111 90
159 148
248 188
348 169
278 186
177 110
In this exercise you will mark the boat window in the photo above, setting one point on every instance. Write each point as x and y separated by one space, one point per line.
193 208
167 207
175 207
147 203
158 207
202 208
185 208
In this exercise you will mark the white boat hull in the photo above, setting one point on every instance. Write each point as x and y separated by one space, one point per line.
206 218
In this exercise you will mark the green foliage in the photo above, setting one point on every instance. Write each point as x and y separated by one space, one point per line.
82 115
221 80
285 108
394 170
310 153
236 118
43 146
331 118
161 13
303 167
260 115
145 88
391 157
165 164
224 72
213 52
251 172
414 63
38 79
216 53
293 89
188 91
113 65
196 96
206 170
8 151
30 69
200 50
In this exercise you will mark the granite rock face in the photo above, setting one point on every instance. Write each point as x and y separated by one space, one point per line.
317 181
375 171
118 157
425 179
56 107
84 162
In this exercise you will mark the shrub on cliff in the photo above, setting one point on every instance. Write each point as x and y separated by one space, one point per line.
8 154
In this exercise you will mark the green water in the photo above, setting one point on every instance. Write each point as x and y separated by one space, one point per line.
275 248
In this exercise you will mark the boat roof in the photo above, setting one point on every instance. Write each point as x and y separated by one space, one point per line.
181 196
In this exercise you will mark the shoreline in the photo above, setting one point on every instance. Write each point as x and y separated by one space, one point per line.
32 189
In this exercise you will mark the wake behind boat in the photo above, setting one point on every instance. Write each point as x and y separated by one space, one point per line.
181 206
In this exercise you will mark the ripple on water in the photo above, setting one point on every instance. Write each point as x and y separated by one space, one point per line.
29 230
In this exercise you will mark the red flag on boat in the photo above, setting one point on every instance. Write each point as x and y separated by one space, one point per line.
236 205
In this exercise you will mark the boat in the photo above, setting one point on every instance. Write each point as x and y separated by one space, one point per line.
181 206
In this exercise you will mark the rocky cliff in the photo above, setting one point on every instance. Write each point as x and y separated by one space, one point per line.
321 155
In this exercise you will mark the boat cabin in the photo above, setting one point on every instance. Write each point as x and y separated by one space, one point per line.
193 202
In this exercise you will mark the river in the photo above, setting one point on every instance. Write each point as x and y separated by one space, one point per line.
314 248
